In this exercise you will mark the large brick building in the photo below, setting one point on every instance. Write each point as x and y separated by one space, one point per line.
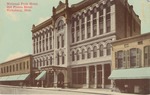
17 71
131 64
73 47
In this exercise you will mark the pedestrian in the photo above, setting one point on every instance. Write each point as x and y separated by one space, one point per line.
37 84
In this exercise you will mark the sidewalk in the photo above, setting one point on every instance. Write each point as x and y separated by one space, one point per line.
81 90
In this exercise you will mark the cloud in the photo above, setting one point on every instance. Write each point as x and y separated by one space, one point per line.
42 19
15 55
12 15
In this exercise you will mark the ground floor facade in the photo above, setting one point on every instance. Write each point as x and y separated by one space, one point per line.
17 80
139 86
84 76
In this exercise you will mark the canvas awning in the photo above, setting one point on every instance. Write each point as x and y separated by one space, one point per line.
15 77
41 76
133 73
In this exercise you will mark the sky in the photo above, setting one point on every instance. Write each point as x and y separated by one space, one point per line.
15 27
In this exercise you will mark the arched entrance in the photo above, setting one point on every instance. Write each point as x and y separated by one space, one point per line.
60 82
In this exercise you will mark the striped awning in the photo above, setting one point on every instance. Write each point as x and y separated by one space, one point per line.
15 77
41 76
133 73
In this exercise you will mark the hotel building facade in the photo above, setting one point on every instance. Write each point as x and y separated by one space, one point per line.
73 47
131 64
17 71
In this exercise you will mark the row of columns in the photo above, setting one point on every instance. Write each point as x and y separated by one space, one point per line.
95 79
49 44
98 54
91 25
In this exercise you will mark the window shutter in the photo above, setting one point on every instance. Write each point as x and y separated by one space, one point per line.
128 58
149 56
146 56
116 60
138 57
124 59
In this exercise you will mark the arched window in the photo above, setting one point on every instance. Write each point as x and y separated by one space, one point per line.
63 58
60 25
88 24
40 62
78 28
47 61
83 26
101 20
101 51
51 60
78 55
108 47
57 58
73 59
94 21
83 54
95 52
88 53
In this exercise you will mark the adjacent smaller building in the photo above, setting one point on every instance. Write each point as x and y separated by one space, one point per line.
17 71
131 64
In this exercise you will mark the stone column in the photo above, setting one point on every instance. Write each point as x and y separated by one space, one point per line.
75 32
87 77
113 19
104 20
95 76
48 41
80 31
103 77
85 27
98 23
91 25
55 79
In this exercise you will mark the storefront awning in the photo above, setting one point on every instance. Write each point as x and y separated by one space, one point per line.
134 73
41 76
3 78
15 77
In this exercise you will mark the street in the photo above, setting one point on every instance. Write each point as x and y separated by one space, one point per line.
37 91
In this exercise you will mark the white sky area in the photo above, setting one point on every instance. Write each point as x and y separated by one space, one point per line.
15 27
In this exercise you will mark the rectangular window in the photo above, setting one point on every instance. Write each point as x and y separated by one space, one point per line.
78 34
108 23
88 30
58 42
101 25
72 35
27 64
133 53
120 56
83 31
147 56
94 27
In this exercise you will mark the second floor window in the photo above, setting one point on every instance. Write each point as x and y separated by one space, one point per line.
88 53
101 50
95 52
147 55
133 53
73 59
